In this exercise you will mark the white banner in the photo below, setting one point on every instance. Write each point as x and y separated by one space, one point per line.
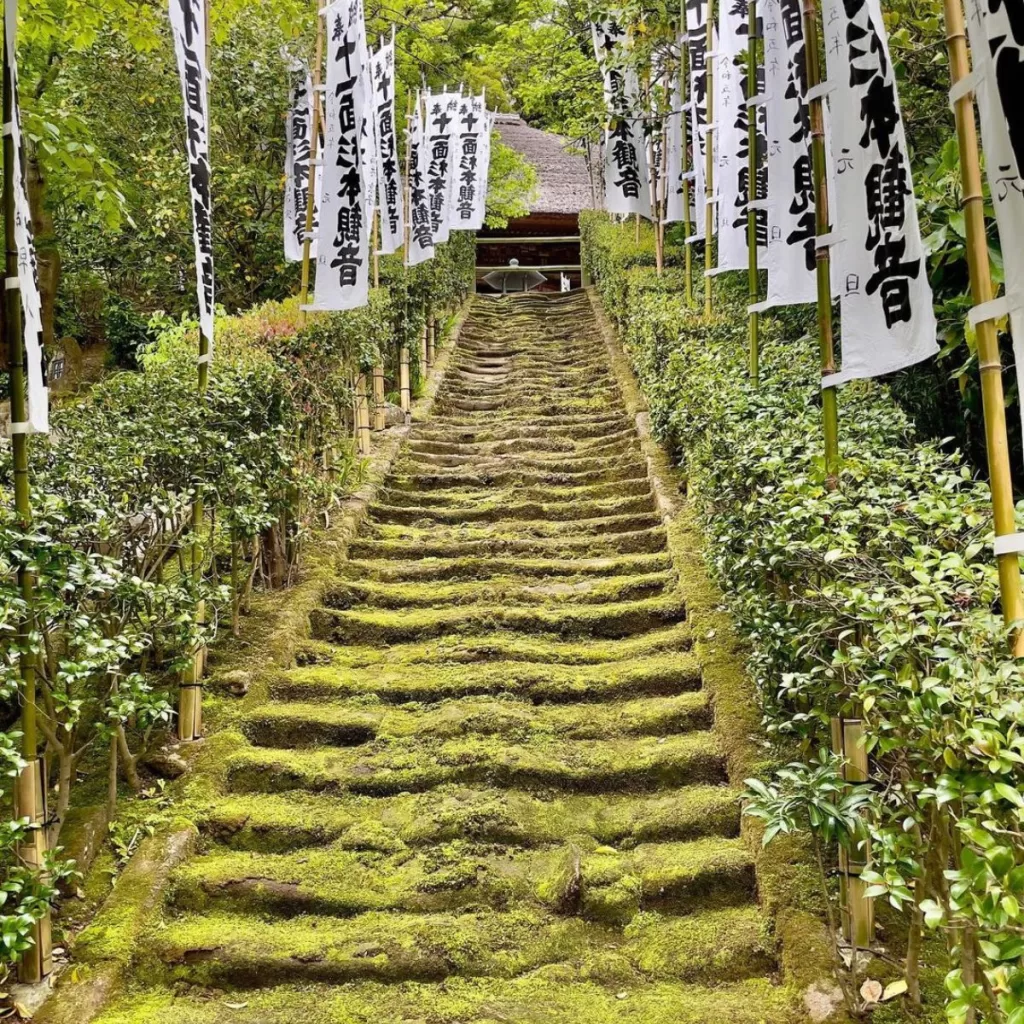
442 111
997 53
342 275
888 320
696 28
732 166
296 171
483 168
467 207
791 254
627 187
28 273
188 26
389 179
367 127
675 160
421 237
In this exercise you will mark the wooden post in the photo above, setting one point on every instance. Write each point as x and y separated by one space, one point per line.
404 382
423 345
752 162
431 340
989 363
829 406
314 157
362 415
30 789
684 65
709 157
379 407
856 909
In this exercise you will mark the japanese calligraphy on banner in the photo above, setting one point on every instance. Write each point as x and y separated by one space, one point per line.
997 52
442 111
732 163
188 25
627 187
389 181
483 168
421 236
674 157
296 171
466 197
885 300
367 127
696 27
791 258
28 273
342 278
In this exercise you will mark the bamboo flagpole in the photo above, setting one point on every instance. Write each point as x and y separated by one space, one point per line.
404 381
709 155
30 788
686 163
829 406
378 367
314 158
752 168
982 291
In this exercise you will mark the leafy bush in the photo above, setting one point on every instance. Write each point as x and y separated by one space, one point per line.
878 599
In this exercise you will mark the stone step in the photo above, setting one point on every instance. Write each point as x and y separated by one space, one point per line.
395 495
389 626
599 884
225 949
501 510
293 820
585 766
318 724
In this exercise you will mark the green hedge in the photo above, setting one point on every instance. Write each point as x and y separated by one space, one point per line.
267 450
878 598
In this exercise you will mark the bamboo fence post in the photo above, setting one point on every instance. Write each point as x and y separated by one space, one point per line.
752 167
30 788
362 415
431 341
423 344
989 363
829 407
684 65
709 155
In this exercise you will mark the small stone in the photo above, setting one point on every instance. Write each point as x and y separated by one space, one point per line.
166 762
235 682
621 995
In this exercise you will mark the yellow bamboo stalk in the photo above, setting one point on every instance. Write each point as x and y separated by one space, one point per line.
709 157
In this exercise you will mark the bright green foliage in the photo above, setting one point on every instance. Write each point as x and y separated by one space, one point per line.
876 599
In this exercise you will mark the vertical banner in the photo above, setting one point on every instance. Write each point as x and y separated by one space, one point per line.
675 162
731 157
389 181
298 149
696 28
627 186
342 275
886 306
997 53
188 25
791 258
465 193
28 271
367 127
421 236
442 111
483 168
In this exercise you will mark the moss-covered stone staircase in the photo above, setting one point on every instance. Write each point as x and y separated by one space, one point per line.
490 790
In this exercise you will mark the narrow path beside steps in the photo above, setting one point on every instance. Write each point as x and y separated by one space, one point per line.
489 791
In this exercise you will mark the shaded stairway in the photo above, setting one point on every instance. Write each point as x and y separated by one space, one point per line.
489 791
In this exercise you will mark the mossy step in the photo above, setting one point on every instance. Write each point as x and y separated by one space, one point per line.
598 420
452 497
561 994
239 950
514 529
565 464
600 884
279 823
496 509
647 541
586 766
387 626
510 446
297 725
462 479
504 590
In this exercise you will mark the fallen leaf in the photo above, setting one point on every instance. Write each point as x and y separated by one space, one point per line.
236 1006
871 991
894 989
23 1012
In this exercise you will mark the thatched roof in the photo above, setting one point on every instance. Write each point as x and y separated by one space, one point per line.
563 185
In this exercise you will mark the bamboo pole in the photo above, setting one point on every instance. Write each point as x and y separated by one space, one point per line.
379 407
431 340
362 415
654 177
684 65
404 380
314 146
709 156
30 789
989 363
752 162
829 407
